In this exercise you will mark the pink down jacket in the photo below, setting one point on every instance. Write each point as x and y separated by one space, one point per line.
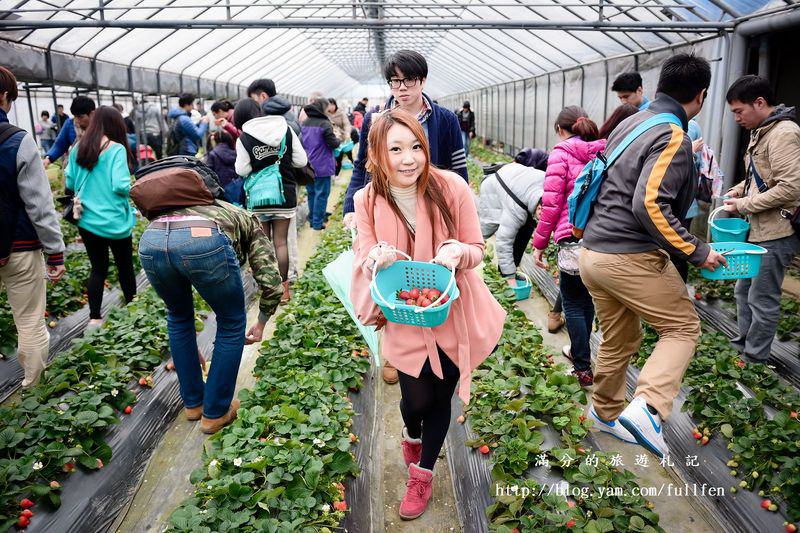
564 164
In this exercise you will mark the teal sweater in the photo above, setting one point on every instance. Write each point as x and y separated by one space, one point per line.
104 192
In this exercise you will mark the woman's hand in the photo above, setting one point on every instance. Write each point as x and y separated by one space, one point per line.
512 281
255 333
697 145
730 205
380 321
538 258
349 221
380 256
450 255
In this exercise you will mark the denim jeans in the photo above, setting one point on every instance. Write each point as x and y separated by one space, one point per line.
466 140
175 261
579 315
758 300
318 200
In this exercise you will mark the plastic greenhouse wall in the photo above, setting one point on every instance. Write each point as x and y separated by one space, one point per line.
520 114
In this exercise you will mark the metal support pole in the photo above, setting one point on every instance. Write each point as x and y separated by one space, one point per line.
524 109
763 57
30 111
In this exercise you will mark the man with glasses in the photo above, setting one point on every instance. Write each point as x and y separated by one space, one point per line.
405 72
82 108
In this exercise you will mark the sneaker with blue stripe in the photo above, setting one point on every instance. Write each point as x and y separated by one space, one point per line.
645 427
612 427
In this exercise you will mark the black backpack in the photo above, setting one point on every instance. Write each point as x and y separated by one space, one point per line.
8 211
173 141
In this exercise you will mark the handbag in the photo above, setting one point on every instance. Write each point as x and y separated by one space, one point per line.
303 175
568 255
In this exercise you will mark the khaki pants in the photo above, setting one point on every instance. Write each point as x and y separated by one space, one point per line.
23 279
628 288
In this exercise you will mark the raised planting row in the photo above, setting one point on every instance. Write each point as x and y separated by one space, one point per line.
752 410
519 394
60 424
282 464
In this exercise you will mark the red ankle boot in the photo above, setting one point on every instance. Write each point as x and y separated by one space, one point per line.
412 448
419 488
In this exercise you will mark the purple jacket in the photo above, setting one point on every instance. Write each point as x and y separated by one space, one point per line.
564 164
319 140
222 159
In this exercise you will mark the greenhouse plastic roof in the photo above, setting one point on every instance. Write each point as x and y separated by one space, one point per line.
336 46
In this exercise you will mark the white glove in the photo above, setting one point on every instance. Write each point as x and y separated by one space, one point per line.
349 221
381 255
449 255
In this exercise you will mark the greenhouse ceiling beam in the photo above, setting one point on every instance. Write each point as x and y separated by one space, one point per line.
727 8
387 24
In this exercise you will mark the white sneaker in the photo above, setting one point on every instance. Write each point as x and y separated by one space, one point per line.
612 427
94 323
645 427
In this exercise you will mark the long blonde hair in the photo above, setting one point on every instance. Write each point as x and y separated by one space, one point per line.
430 182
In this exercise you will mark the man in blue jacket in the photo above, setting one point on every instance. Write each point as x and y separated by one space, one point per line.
405 72
187 136
82 108
28 225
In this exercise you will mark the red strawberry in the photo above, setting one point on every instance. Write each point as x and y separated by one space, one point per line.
426 302
765 504
581 451
353 438
740 363
143 382
23 521
425 291
570 504
445 298
460 419
170 366
582 418
128 409
55 485
25 503
570 524
515 530
704 440
434 294
484 449
27 513
793 414
697 435
420 299
790 528
411 301
100 463
697 296
414 293
340 506
68 467
46 314
403 295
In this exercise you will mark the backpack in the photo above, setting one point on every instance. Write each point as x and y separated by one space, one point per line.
172 183
173 141
8 212
264 186
587 184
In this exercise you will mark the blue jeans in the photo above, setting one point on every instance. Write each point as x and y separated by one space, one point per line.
175 262
466 140
318 200
579 316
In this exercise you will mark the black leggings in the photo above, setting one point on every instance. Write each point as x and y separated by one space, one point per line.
425 406
97 250
340 159
277 230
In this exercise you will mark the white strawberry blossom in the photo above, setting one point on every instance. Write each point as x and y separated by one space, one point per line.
319 442
114 392
38 465
326 508
237 461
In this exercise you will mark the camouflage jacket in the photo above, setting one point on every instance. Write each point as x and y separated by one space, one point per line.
251 244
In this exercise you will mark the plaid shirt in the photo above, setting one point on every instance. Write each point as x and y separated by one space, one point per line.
424 113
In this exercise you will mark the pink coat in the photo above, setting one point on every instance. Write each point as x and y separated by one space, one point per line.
476 319
564 164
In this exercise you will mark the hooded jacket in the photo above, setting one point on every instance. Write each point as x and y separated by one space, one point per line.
564 164
648 190
444 138
189 135
341 126
495 203
153 119
279 106
266 134
774 149
319 140
222 160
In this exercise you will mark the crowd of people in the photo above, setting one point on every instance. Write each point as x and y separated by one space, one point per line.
409 195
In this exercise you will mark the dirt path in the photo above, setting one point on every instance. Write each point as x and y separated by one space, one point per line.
166 481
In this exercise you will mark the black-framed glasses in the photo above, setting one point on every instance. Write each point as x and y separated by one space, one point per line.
408 82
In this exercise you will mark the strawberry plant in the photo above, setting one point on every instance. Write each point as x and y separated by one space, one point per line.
789 322
60 423
280 465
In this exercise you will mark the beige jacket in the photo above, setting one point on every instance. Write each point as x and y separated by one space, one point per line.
341 126
775 150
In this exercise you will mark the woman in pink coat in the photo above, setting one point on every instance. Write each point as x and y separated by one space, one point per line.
429 214
579 144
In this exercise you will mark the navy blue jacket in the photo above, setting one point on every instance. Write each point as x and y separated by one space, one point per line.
444 138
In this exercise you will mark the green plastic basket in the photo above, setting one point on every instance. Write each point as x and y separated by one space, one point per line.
727 229
403 276
744 261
